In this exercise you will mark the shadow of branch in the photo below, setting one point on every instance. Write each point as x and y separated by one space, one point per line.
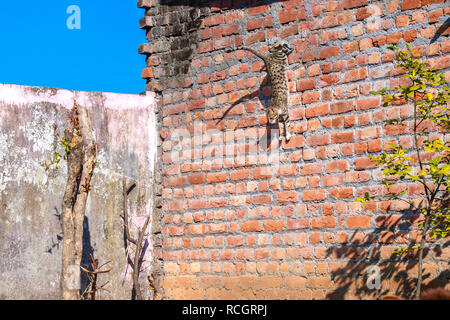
354 277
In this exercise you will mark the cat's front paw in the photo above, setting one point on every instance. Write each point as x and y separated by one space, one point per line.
288 137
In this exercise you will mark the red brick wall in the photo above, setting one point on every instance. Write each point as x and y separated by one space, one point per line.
241 221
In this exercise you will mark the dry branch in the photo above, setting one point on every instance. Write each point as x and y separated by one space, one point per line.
137 242
93 274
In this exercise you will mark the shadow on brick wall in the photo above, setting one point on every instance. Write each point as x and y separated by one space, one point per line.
370 254
442 29
266 141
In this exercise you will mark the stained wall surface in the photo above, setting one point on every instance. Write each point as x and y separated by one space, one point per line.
30 197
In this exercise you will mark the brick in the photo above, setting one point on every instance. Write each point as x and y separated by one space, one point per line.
357 30
323 222
418 16
351 46
230 29
249 121
287 196
259 36
434 15
310 97
318 140
314 195
342 137
262 172
445 46
379 41
217 227
369 133
402 21
319 282
262 199
317 110
252 11
363 163
217 202
255 24
205 47
314 70
329 21
250 226
355 75
197 178
237 201
439 62
177 181
311 168
295 282
214 20
368 103
240 174
394 38
328 80
309 55
365 44
358 221
363 13
287 170
197 204
411 4
350 4
274 225
289 31
234 15
410 35
329 52
341 106
342 193
298 223
217 177
177 230
337 165
306 84
332 180
287 15
147 73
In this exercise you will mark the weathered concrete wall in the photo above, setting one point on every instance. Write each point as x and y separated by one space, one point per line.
30 197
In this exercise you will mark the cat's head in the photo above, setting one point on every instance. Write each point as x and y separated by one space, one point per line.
281 48
272 115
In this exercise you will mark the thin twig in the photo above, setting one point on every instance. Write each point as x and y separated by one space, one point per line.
92 274
137 242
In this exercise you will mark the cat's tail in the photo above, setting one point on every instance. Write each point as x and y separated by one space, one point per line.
256 53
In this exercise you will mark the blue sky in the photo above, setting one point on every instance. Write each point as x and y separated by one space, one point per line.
38 49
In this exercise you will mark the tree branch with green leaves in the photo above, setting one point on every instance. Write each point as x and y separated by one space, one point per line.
427 162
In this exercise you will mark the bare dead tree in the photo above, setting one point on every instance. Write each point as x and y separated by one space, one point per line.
93 275
137 242
81 159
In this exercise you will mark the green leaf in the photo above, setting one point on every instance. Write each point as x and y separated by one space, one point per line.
445 169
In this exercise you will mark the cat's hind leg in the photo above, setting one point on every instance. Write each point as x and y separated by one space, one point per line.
282 130
287 129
